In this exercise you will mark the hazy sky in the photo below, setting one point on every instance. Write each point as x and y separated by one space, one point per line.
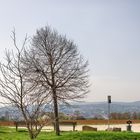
107 33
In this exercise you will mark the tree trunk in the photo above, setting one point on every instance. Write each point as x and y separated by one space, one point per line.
16 124
56 116
32 136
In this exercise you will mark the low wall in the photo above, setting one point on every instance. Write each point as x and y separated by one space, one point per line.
6 123
98 122
82 122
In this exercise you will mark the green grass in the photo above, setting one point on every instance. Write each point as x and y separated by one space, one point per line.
11 134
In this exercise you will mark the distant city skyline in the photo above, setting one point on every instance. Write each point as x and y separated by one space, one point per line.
107 33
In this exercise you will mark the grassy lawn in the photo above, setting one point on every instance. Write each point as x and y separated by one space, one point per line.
11 134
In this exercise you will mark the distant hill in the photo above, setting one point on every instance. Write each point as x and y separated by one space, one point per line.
89 110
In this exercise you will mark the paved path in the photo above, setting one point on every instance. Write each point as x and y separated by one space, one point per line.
135 127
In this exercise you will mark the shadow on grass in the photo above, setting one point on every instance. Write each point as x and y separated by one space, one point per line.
22 131
2 132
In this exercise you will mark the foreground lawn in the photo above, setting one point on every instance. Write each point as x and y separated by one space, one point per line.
11 134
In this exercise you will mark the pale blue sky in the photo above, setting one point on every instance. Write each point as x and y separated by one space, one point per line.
107 33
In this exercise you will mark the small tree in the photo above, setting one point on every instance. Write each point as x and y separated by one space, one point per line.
56 64
18 91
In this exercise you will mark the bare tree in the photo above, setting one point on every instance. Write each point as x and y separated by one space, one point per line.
56 64
17 90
